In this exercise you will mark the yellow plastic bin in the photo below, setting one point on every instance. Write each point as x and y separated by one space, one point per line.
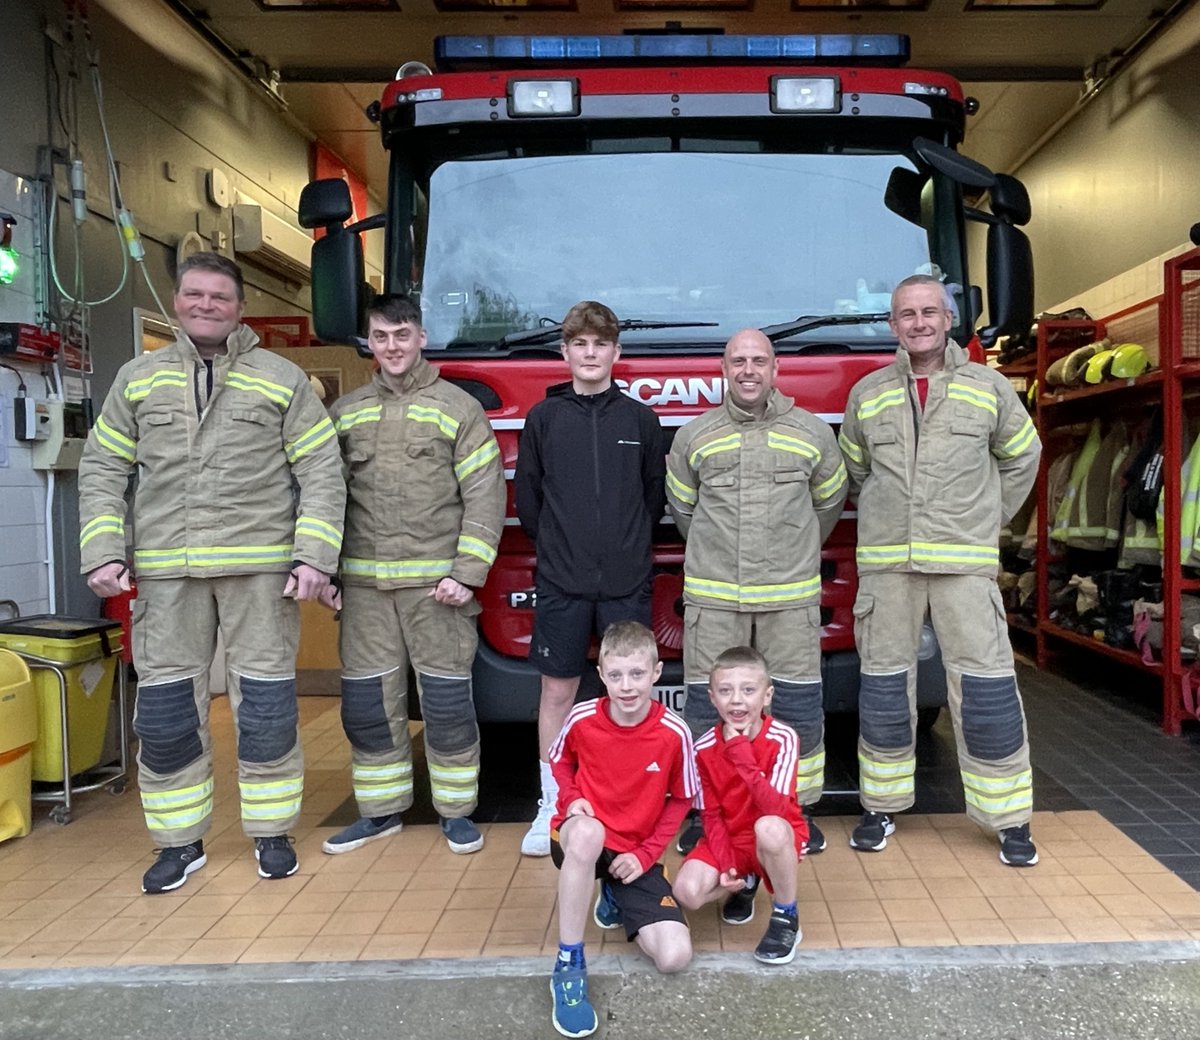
18 731
86 651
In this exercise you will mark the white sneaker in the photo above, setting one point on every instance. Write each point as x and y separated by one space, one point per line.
537 839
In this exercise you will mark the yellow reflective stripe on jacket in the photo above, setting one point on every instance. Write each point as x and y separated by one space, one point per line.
314 528
881 554
729 592
101 525
784 442
475 547
213 556
684 492
447 424
1018 442
313 437
998 794
138 389
370 413
849 447
888 399
392 569
980 398
115 442
281 395
730 442
481 456
832 485
271 800
930 552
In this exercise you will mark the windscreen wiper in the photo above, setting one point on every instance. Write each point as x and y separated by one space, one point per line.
816 321
549 333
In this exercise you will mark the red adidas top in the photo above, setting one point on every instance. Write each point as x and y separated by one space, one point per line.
741 780
640 780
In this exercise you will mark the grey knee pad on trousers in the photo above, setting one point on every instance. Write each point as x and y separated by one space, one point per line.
883 716
267 718
363 715
800 706
449 713
992 721
698 710
168 726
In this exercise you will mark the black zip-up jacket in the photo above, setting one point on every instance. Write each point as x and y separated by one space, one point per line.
589 489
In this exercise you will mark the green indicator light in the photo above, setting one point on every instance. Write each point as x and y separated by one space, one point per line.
8 265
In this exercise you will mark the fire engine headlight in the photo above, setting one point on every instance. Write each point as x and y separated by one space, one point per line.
808 94
543 97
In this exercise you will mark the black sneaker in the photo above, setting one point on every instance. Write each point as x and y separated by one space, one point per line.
692 832
276 857
739 907
778 945
172 867
816 837
1017 848
872 832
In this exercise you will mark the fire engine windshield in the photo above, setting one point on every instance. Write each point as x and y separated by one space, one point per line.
738 239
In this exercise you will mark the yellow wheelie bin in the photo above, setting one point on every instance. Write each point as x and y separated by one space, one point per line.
18 733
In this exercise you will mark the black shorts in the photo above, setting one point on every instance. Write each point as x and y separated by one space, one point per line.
563 626
645 900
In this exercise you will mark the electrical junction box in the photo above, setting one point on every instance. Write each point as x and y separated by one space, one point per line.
56 450
32 418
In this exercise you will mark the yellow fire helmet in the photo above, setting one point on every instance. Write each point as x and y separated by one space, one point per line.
1068 370
1098 366
1129 360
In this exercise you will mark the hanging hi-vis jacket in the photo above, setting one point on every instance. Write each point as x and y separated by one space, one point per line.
755 498
425 483
215 474
936 486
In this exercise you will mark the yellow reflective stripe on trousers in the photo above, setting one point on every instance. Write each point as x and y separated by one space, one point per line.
175 810
476 547
446 423
314 528
481 456
453 783
888 399
138 389
849 447
313 437
271 799
280 395
784 442
999 794
1018 442
212 556
371 413
730 442
375 783
108 524
684 492
975 395
115 442
830 487
886 779
393 569
730 592
810 770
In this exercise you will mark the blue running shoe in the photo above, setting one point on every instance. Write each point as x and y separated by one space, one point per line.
606 914
573 1014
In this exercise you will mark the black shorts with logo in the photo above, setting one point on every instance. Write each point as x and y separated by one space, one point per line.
645 900
563 626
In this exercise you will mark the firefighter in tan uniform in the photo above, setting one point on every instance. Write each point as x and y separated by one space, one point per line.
424 517
942 454
756 485
238 513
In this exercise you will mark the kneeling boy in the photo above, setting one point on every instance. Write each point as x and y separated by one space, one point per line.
753 826
626 778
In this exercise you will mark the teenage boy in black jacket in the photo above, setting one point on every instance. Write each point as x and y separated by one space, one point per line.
589 489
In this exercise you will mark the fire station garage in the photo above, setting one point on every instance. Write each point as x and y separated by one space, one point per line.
986 848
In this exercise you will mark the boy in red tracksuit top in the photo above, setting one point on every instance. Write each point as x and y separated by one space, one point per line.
626 779
753 825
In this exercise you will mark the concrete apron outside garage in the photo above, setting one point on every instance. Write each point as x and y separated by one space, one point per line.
1089 991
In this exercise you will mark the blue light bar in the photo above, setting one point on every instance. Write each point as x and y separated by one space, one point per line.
461 53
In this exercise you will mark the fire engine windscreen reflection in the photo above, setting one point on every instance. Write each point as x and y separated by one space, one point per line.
737 239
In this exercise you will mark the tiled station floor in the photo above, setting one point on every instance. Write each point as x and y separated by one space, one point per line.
70 896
